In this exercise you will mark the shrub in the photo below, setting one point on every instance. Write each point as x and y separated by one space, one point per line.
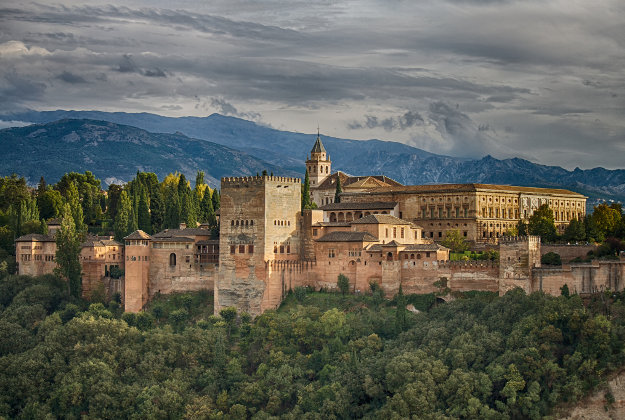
551 258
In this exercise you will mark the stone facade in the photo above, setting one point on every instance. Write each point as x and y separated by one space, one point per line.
481 212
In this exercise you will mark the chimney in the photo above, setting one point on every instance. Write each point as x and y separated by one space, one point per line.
183 225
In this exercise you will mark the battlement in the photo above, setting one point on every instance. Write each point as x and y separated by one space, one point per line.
516 239
470 264
247 181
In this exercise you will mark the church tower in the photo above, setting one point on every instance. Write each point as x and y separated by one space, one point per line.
319 164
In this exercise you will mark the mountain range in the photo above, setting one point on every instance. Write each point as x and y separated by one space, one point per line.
285 152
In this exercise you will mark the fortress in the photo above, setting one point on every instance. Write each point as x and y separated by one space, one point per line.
380 232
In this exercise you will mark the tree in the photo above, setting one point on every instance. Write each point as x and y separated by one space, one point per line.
114 194
76 208
207 212
42 187
400 313
67 252
339 189
120 226
50 203
306 202
593 234
542 224
172 208
343 284
521 228
157 210
607 219
216 199
143 218
551 258
455 241
575 231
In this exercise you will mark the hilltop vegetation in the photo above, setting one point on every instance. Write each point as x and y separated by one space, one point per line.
320 355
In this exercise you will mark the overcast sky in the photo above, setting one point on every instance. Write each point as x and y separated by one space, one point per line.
543 80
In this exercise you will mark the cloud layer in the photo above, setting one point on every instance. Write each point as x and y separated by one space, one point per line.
539 80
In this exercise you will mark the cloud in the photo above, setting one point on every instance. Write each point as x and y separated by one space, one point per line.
156 72
127 65
71 78
407 120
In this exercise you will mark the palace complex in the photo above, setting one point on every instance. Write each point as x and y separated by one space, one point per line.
381 231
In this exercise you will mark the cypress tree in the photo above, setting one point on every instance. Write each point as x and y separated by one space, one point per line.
76 208
143 218
124 209
67 252
157 210
306 204
400 314
207 209
41 188
216 199
172 208
339 189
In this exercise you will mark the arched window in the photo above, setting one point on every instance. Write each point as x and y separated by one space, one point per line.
247 222
251 223
418 256
172 259
237 223
389 256
232 223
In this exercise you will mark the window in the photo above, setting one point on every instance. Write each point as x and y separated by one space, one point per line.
275 249
331 253
402 232
250 249
172 259
241 249
386 232
315 232
394 232
187 259
232 248
281 249
288 249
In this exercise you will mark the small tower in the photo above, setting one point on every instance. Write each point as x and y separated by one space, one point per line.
319 165
137 270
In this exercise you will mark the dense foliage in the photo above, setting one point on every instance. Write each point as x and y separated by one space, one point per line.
321 355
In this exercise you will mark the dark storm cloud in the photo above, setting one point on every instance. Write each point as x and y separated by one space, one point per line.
226 108
127 65
156 72
402 122
71 78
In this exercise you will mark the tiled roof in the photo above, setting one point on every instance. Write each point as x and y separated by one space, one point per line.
386 219
452 188
138 234
348 237
392 243
318 146
173 239
35 237
100 241
332 224
379 181
169 233
374 205
208 242
424 247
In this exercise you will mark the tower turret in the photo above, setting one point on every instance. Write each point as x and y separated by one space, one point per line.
318 165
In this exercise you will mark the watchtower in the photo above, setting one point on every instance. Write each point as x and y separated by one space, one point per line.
258 225
517 256
137 269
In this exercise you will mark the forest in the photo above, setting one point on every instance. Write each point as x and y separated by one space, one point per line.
319 356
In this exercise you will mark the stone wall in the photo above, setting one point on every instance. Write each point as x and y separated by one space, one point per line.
580 278
136 277
568 252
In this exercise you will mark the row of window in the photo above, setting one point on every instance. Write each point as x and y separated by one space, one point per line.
137 258
439 234
250 249
241 223
447 212
282 223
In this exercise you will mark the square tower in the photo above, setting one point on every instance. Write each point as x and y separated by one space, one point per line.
319 166
258 226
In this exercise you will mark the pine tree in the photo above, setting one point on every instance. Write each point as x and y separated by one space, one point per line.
306 204
339 189
67 252
143 218
124 209
76 208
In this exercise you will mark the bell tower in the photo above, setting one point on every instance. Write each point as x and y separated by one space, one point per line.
318 165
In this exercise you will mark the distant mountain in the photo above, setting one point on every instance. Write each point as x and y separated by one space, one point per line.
406 164
114 153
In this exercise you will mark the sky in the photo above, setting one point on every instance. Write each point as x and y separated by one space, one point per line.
541 80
